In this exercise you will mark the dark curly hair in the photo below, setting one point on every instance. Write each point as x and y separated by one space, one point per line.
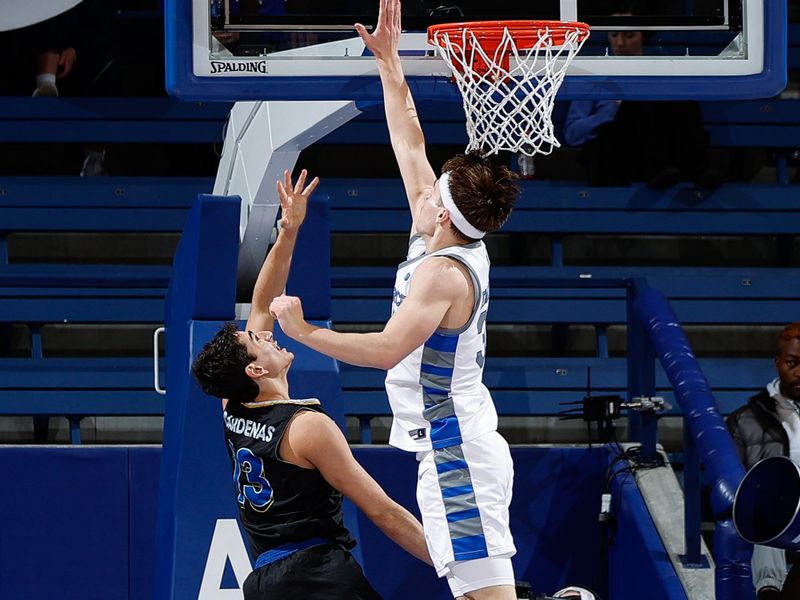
484 192
220 367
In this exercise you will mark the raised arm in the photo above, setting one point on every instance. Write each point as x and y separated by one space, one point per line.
405 130
313 440
271 281
436 286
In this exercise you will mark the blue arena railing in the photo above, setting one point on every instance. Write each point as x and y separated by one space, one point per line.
706 439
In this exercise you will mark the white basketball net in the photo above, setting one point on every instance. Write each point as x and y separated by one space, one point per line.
509 107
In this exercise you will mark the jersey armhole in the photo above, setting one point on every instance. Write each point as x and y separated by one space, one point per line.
278 456
279 441
476 290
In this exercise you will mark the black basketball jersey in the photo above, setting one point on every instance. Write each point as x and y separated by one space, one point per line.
278 502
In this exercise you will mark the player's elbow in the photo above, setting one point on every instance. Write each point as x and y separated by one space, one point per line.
388 361
392 358
385 354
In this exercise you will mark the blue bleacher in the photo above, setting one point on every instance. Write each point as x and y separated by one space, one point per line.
65 292
37 294
536 385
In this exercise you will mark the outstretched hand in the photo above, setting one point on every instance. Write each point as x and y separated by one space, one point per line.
294 199
288 310
385 40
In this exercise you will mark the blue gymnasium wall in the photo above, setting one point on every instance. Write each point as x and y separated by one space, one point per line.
87 516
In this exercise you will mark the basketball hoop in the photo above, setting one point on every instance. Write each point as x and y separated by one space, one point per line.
508 73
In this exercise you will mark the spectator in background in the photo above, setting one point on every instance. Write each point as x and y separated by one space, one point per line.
35 57
69 54
96 72
769 425
660 142
53 61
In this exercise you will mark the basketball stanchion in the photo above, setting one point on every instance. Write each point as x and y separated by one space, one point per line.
508 73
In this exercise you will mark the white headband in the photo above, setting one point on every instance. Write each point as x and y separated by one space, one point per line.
456 217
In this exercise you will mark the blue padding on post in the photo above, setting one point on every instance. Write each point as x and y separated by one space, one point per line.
732 577
195 469
310 276
693 393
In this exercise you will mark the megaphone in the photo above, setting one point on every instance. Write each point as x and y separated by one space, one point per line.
766 510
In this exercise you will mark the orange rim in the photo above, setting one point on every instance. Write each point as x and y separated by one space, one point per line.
525 33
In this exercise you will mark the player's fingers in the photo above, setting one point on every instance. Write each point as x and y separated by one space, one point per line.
388 7
361 31
287 180
282 195
397 14
301 181
275 307
311 186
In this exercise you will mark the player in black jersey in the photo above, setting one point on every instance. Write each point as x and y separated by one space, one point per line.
291 463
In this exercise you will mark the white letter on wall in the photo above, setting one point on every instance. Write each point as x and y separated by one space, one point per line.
226 543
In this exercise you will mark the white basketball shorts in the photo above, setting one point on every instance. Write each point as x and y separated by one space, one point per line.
463 493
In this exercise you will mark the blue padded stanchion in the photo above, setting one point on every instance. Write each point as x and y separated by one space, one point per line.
195 486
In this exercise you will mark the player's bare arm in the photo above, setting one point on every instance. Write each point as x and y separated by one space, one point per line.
408 141
439 290
271 280
313 440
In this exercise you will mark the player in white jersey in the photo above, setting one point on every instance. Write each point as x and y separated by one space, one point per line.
433 346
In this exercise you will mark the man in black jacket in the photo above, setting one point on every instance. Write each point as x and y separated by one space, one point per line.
769 425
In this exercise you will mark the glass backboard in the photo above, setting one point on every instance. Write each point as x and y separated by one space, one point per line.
308 49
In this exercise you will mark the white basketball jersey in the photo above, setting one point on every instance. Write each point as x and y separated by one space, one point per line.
437 393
